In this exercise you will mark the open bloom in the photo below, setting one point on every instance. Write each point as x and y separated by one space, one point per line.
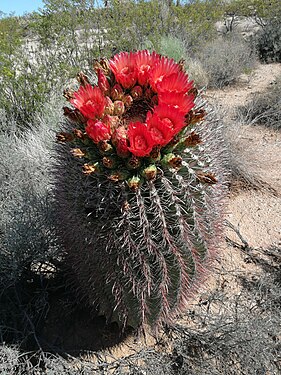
140 139
164 67
161 130
144 61
183 102
89 100
171 116
98 131
124 69
175 83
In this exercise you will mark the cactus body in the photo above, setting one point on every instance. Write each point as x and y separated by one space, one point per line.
139 255
139 239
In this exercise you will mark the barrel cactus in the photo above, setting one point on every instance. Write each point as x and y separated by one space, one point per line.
140 185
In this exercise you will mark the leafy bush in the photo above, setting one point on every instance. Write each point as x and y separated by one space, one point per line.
224 59
269 42
264 108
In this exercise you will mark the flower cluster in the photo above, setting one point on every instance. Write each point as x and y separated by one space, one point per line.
136 117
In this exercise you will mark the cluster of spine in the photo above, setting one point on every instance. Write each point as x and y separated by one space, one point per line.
138 251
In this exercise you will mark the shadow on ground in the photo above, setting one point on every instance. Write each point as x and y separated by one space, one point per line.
38 313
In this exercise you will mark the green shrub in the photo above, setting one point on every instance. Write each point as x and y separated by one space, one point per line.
224 59
269 42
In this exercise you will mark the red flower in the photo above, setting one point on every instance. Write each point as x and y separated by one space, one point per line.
164 67
140 139
144 61
98 131
171 116
176 83
90 101
161 130
124 69
183 102
103 82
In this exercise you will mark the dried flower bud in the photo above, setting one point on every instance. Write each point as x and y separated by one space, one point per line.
103 65
172 161
192 140
134 162
77 152
136 92
108 162
68 94
155 153
181 65
104 147
193 92
64 137
74 115
150 172
206 177
82 79
198 116
117 92
119 175
91 168
119 108
79 134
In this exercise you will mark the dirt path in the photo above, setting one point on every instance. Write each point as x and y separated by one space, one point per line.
256 213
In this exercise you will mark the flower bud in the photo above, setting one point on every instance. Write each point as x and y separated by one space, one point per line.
122 148
148 93
119 108
109 106
150 172
116 92
136 92
127 100
154 100
134 183
103 82
98 131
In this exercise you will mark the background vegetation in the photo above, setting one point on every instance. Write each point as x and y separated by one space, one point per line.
40 54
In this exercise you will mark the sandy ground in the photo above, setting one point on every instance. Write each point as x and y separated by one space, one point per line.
256 212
